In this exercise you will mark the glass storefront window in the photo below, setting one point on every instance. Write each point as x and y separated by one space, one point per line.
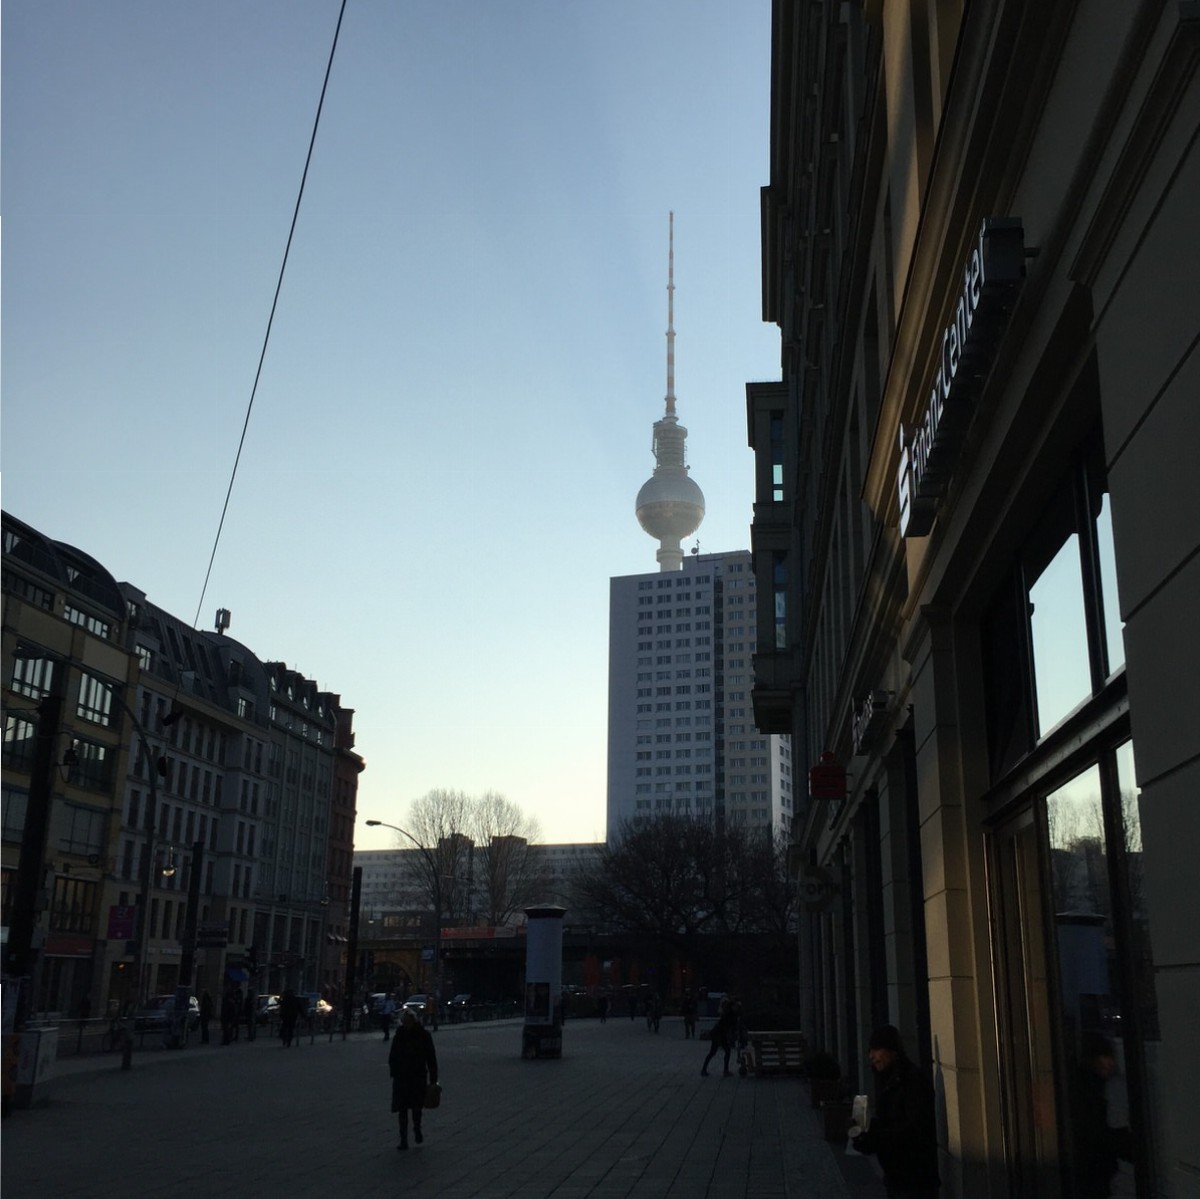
1096 1094
1060 652
1114 628
1108 1010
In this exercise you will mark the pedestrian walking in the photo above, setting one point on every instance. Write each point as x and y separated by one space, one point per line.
206 1014
412 1064
249 1014
901 1132
688 1007
289 1013
602 1007
387 1012
653 1012
722 1036
229 1017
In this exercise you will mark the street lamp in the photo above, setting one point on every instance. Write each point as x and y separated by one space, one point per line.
143 926
436 877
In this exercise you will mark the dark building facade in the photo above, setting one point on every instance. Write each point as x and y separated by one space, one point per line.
192 809
975 538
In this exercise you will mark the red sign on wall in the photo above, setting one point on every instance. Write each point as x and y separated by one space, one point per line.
827 779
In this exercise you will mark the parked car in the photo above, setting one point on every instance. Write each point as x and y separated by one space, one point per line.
268 1009
459 1008
418 1005
157 1011
315 1007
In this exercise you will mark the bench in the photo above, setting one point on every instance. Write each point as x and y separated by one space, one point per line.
779 1052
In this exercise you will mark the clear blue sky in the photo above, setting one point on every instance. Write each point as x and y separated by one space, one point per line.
455 410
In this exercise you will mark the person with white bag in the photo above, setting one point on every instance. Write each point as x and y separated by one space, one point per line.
902 1132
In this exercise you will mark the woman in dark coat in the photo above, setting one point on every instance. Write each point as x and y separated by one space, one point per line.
289 1013
722 1035
412 1062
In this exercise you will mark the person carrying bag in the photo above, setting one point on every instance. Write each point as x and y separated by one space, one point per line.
412 1063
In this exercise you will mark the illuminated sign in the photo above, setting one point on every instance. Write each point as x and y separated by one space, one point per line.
869 718
929 450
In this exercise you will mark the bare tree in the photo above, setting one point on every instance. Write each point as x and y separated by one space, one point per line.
438 825
506 873
474 856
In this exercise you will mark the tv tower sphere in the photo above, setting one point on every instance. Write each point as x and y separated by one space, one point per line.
670 505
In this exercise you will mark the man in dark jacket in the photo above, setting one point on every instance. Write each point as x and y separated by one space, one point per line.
412 1062
902 1131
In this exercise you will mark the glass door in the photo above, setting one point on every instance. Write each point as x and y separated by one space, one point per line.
1022 986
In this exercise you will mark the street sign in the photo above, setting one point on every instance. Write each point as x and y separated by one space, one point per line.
817 888
214 935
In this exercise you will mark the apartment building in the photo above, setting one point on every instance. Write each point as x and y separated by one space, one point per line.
182 778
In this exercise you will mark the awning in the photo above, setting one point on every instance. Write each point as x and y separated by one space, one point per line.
236 975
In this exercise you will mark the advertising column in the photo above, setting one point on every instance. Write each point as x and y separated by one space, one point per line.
542 1034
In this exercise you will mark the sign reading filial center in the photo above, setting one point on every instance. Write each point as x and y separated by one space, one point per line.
929 450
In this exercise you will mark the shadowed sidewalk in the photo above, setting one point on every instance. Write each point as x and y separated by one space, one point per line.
625 1113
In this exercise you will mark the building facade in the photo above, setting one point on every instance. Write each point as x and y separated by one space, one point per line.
976 508
681 734
182 778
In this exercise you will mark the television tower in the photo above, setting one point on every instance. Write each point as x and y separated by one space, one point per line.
670 505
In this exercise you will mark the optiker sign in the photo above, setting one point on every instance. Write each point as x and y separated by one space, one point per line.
929 451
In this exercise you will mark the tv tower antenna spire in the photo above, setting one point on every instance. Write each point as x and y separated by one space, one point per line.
670 505
671 315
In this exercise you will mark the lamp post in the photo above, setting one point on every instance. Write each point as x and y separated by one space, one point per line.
147 879
436 877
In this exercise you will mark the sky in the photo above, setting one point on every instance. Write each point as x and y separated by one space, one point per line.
454 412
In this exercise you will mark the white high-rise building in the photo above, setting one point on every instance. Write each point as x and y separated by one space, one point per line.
681 735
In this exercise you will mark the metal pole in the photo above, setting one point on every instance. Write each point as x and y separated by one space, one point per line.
435 875
437 949
21 955
143 914
352 949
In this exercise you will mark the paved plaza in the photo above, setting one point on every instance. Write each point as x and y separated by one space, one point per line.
623 1113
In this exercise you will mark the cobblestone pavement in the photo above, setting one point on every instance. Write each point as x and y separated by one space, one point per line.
623 1113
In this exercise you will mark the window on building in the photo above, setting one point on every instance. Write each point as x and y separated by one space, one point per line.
15 809
93 624
80 830
96 696
33 670
93 767
1052 635
72 905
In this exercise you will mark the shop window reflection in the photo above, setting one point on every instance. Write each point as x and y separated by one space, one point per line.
1059 632
1114 627
1089 975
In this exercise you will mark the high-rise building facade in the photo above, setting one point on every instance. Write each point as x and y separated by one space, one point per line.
681 735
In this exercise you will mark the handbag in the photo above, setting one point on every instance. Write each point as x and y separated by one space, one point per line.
433 1095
